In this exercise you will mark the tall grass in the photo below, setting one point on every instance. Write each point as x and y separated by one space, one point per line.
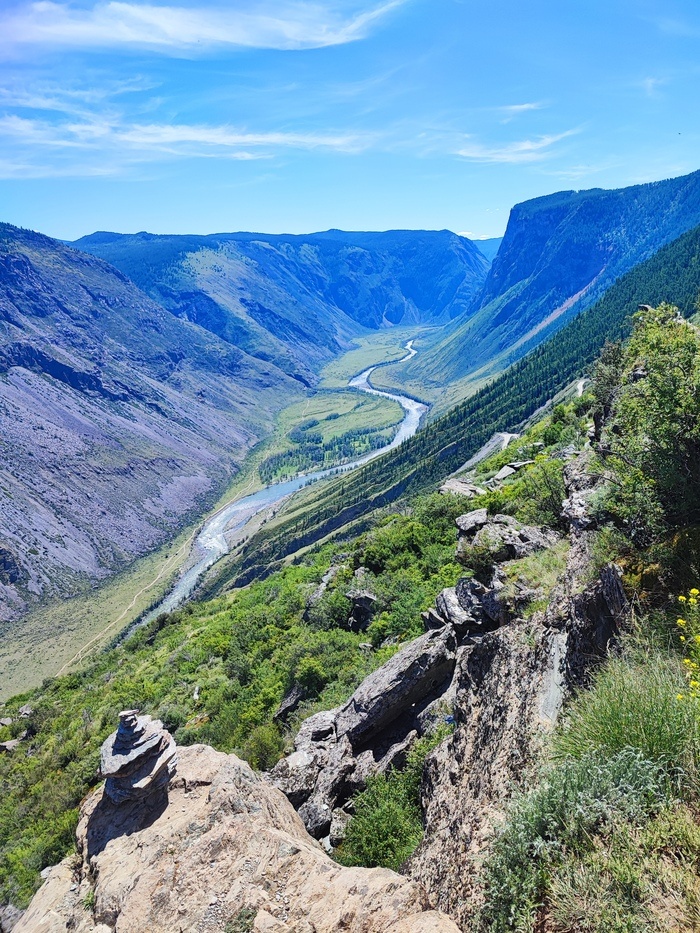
640 705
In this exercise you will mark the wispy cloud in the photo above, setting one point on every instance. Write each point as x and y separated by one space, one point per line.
295 24
525 150
109 145
510 111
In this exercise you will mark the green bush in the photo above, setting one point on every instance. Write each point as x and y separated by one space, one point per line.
576 801
264 748
638 704
387 823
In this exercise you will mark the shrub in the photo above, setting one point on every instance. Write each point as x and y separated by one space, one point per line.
264 748
576 801
637 705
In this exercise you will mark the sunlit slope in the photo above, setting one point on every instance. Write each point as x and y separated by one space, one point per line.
558 256
672 274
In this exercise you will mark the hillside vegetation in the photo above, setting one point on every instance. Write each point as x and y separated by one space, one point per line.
672 274
560 253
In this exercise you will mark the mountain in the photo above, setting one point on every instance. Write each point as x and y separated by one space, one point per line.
118 420
489 247
671 275
559 255
297 300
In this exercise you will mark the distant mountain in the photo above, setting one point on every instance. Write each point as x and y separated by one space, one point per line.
559 254
117 420
445 444
489 247
296 300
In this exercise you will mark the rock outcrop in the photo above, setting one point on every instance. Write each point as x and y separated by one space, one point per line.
336 751
224 850
138 759
509 687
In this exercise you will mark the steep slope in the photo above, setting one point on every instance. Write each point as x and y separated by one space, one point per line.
295 300
117 420
489 247
559 254
672 275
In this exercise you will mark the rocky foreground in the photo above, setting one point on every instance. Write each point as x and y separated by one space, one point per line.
220 849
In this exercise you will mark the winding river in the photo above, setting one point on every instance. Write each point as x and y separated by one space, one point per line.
211 543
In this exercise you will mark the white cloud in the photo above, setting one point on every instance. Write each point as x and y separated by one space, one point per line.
514 110
106 145
295 24
526 150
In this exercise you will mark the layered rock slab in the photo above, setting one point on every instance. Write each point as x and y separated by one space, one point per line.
224 844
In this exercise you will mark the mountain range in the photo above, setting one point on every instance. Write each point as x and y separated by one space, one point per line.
123 415
558 256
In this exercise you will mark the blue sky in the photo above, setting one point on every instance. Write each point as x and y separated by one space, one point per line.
291 116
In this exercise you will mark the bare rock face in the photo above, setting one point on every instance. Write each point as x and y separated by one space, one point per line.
510 686
138 759
336 751
9 918
226 848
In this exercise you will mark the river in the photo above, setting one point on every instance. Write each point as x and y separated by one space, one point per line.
211 543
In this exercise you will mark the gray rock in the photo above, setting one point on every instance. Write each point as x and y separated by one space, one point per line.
138 759
363 603
339 824
461 487
5 722
337 750
290 703
9 918
505 539
25 711
470 523
502 474
405 679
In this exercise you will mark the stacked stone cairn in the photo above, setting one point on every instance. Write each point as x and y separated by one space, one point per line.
138 759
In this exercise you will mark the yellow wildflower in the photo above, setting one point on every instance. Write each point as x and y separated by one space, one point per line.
692 601
683 637
681 622
695 592
679 696
687 661
697 639
695 684
681 599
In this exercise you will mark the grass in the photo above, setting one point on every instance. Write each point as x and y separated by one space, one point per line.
635 703
539 571
381 347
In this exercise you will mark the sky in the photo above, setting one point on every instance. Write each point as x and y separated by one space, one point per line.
203 116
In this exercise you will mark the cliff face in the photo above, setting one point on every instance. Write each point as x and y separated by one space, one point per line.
510 688
221 850
558 255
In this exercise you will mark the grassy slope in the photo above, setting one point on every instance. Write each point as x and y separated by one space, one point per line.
673 274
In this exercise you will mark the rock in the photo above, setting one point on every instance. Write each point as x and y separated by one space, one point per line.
226 846
510 687
505 539
519 464
9 918
363 603
502 474
10 745
5 722
138 759
461 487
471 522
339 825
337 750
290 703
25 711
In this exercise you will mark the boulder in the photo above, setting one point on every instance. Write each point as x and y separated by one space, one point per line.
502 474
7 721
504 538
363 603
290 703
225 851
138 759
470 523
9 918
461 487
337 750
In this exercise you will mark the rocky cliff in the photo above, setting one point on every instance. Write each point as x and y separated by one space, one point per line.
220 850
